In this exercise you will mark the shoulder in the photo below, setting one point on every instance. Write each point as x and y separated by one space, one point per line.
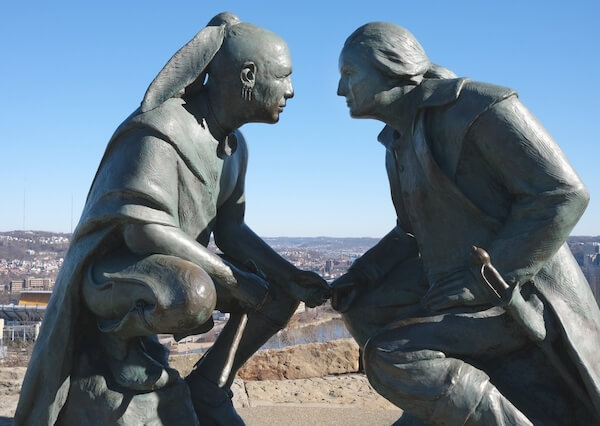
167 123
138 147
473 100
447 125
485 91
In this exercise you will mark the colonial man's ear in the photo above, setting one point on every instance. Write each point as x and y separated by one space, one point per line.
248 79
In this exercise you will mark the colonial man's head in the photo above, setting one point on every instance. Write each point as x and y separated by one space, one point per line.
380 63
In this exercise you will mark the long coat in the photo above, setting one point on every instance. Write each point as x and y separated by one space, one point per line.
472 166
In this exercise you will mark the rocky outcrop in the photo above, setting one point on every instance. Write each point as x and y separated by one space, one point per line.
292 362
303 361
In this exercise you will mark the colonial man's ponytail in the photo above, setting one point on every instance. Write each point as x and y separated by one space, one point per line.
394 51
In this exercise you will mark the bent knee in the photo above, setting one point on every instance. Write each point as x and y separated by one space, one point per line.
391 353
186 296
175 294
381 362
372 355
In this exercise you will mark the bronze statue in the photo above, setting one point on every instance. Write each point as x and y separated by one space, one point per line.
468 165
172 175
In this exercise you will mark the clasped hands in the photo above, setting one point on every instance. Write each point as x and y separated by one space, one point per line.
256 290
346 289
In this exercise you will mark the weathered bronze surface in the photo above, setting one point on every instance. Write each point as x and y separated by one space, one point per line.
468 165
172 175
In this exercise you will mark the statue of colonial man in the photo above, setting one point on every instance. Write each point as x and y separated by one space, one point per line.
468 165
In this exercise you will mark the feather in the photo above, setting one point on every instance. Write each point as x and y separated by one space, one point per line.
184 67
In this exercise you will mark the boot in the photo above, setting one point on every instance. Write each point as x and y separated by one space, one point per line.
213 405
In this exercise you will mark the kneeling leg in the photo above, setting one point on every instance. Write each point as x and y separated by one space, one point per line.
134 298
409 366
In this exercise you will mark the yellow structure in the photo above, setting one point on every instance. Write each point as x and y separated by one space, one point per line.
34 298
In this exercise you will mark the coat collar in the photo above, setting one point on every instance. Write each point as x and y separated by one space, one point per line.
430 93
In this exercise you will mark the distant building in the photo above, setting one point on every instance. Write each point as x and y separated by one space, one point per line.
16 286
582 249
31 283
40 283
587 255
591 270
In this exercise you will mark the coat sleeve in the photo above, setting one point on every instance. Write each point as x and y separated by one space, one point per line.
547 197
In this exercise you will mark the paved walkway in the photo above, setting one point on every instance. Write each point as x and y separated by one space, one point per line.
329 401
305 416
317 416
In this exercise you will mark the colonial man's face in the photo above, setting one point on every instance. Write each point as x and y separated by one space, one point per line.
273 85
360 83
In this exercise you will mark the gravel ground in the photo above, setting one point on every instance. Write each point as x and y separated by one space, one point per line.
333 400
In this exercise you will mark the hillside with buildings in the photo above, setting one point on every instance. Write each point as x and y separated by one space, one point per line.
30 260
587 253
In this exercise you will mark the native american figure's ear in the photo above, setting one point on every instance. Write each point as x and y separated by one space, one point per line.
186 66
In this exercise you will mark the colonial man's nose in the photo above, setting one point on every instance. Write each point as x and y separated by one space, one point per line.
342 89
289 90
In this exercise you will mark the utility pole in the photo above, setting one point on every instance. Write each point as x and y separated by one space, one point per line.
71 213
24 205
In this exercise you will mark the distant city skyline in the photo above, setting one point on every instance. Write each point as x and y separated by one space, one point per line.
73 71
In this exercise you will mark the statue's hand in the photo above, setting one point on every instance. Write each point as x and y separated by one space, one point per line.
461 288
310 288
345 291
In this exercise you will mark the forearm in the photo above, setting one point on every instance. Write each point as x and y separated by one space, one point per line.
144 239
241 244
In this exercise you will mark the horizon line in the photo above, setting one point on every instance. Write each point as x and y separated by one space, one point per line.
267 236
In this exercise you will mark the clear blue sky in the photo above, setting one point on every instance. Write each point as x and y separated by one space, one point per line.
72 71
